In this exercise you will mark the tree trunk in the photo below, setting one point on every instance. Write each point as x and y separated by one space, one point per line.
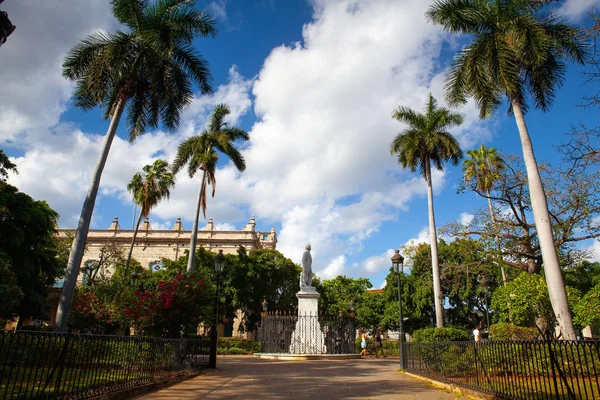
497 238
435 267
193 238
83 226
539 205
137 227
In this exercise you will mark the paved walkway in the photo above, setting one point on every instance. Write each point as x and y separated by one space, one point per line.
252 378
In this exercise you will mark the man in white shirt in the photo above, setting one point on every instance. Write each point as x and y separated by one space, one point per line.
476 334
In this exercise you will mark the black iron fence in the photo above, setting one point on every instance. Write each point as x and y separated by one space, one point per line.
307 334
513 369
44 365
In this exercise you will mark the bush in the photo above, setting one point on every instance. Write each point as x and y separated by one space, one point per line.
508 331
232 351
390 347
451 334
244 345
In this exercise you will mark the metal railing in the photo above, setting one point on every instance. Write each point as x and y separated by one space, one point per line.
306 334
45 365
513 369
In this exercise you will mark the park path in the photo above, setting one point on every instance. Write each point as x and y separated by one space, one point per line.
245 377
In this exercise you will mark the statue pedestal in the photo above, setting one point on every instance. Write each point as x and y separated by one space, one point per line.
308 337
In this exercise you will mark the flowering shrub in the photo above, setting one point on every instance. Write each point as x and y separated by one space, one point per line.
159 308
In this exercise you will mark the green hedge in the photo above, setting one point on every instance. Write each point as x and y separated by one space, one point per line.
508 331
390 347
451 334
231 345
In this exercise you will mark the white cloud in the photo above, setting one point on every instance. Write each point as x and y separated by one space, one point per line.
34 94
573 10
378 263
161 226
594 251
217 9
334 268
318 160
225 227
466 218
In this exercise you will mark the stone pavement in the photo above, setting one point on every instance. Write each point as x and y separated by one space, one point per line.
246 377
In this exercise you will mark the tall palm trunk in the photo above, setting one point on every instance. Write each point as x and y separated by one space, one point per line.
497 238
554 278
137 228
435 267
83 226
193 238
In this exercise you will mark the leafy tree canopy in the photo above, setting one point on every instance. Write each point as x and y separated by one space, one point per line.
28 253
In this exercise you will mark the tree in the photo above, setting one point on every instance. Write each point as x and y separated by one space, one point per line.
427 141
151 66
525 302
28 254
200 153
148 189
574 206
517 51
483 168
339 293
253 276
6 27
248 278
5 166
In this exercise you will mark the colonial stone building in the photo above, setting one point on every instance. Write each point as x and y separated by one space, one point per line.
153 245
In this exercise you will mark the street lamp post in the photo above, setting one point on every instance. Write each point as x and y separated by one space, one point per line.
219 264
398 263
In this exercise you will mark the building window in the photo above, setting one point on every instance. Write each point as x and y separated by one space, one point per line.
265 237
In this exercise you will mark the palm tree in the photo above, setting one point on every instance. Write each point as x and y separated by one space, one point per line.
517 51
148 189
151 67
426 141
483 168
200 153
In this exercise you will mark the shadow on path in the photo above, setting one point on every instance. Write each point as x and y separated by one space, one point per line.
245 377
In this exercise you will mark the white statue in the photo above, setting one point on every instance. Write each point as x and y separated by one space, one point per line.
306 275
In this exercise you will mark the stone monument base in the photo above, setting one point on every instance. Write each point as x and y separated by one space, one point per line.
308 337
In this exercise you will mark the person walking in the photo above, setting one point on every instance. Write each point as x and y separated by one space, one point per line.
379 344
363 342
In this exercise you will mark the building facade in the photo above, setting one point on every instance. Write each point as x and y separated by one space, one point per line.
153 245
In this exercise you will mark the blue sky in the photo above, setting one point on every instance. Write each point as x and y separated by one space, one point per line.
313 82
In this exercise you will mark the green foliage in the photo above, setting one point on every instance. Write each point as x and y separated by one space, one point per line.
201 152
583 276
232 351
390 347
508 331
450 334
463 262
151 63
160 305
5 166
28 254
525 299
370 310
248 278
515 51
587 310
426 140
237 346
338 295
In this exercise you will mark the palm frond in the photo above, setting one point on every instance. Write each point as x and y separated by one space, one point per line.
459 16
